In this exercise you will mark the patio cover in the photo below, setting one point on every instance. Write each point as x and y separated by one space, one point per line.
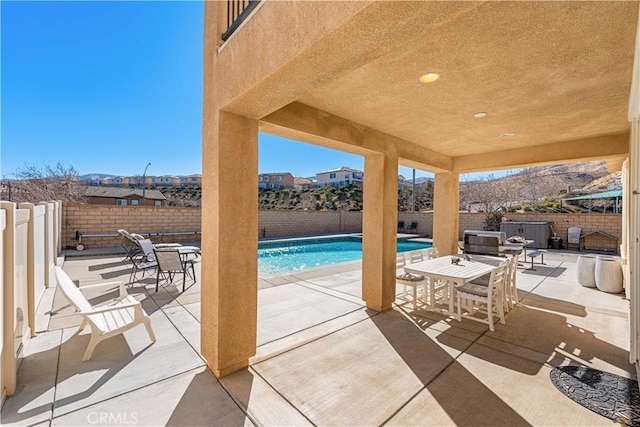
614 194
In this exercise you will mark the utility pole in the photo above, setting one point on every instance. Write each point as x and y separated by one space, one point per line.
144 184
413 192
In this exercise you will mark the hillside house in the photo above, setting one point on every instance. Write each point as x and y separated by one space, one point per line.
194 179
344 176
165 180
275 180
124 196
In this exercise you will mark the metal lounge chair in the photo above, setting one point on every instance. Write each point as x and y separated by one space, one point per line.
171 262
134 239
141 261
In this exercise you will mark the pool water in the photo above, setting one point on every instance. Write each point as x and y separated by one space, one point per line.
281 257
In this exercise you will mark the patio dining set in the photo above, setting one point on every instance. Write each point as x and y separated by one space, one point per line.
477 287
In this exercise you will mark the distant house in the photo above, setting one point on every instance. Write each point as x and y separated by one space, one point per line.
275 180
137 180
124 196
117 180
344 176
401 182
420 182
93 181
165 180
195 179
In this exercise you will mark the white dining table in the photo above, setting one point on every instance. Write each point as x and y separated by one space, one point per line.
454 274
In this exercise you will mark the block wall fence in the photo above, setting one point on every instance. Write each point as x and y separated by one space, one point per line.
97 219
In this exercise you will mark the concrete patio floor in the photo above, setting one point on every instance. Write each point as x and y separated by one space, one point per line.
323 358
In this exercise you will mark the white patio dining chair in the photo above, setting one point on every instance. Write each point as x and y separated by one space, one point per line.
408 280
434 289
476 296
106 321
510 293
415 256
512 286
430 253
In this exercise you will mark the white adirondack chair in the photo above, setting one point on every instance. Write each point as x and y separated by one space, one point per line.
108 320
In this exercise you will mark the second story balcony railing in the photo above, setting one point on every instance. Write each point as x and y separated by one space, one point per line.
237 12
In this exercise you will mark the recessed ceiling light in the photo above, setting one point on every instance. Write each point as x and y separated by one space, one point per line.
480 115
508 135
429 77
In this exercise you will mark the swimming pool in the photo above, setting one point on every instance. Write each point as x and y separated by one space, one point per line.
277 257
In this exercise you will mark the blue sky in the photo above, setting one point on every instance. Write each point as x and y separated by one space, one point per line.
109 86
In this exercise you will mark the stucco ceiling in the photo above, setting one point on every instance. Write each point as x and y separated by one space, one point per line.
543 71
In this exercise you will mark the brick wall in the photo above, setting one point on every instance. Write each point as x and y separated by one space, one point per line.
101 219
97 219
424 220
298 223
470 221
609 223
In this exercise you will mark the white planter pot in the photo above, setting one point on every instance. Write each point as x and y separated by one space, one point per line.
608 275
587 270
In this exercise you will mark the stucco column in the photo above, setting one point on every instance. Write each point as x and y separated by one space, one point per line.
379 228
229 241
446 207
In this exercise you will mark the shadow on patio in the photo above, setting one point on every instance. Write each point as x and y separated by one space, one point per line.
324 359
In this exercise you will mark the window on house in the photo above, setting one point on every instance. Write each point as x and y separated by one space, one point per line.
134 202
332 175
157 203
279 177
121 202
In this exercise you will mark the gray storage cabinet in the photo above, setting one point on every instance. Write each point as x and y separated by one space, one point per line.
538 231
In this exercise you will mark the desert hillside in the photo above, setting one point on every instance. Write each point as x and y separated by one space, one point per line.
539 187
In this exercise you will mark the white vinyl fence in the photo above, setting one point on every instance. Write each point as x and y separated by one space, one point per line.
30 245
